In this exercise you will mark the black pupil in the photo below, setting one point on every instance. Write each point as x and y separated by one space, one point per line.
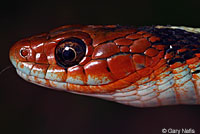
68 54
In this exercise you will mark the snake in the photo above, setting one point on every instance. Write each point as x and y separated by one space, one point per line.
147 66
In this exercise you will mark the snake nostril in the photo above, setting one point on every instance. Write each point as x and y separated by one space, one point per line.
24 52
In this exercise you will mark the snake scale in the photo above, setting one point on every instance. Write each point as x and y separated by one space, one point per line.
146 66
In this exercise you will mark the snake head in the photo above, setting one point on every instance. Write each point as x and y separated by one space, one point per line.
148 66
76 58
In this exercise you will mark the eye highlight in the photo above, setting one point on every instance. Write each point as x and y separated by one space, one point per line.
70 52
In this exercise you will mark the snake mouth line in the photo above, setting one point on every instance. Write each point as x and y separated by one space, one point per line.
61 86
36 80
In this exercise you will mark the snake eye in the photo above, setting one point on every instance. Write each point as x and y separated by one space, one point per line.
70 52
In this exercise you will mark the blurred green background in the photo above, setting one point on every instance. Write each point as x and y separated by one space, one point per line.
29 109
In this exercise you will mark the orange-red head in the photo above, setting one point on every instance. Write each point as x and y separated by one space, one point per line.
88 59
123 64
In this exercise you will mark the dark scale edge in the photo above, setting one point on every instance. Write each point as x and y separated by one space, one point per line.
174 60
176 39
196 72
173 36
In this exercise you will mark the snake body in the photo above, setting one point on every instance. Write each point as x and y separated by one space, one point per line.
144 67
